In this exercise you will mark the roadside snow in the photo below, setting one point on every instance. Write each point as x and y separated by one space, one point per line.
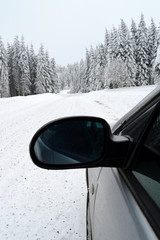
37 204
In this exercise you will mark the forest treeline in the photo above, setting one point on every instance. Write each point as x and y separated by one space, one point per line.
127 57
22 72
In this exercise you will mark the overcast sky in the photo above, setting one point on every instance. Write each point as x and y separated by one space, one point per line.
67 27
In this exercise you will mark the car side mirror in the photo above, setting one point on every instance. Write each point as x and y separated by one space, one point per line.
78 142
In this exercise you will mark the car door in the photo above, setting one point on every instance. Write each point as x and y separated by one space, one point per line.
119 212
116 213
143 176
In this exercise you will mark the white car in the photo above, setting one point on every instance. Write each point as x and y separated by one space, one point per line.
123 168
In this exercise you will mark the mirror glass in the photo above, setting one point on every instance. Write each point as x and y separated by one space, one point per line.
70 142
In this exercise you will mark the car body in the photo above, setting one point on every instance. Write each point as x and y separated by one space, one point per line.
118 205
123 179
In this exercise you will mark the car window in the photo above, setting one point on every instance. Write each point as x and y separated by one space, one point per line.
147 167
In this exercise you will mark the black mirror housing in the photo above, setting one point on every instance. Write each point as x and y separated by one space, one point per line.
78 142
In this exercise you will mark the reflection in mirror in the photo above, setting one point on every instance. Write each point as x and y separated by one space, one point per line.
70 142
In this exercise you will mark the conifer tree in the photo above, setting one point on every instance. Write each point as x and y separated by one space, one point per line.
54 77
86 86
134 43
51 81
10 70
4 83
24 73
16 69
100 66
32 58
113 45
81 73
46 79
126 53
142 60
134 38
106 46
92 70
152 46
48 74
40 75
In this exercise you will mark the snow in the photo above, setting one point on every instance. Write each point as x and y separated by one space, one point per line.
38 204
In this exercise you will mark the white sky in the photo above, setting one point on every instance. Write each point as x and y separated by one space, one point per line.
67 27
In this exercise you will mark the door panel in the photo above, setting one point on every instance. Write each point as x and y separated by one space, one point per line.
116 213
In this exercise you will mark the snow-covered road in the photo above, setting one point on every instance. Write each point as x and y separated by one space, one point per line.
37 204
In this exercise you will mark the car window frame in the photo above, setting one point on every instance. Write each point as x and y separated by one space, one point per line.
145 202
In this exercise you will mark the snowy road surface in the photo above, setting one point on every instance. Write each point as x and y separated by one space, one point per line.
38 204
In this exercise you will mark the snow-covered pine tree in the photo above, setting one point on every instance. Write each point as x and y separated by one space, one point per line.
106 46
16 69
152 46
23 64
54 77
134 36
46 78
86 84
10 70
32 58
126 53
113 44
134 43
124 39
81 73
100 66
92 74
4 83
48 74
40 83
142 58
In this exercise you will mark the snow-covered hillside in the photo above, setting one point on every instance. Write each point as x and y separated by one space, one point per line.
37 204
